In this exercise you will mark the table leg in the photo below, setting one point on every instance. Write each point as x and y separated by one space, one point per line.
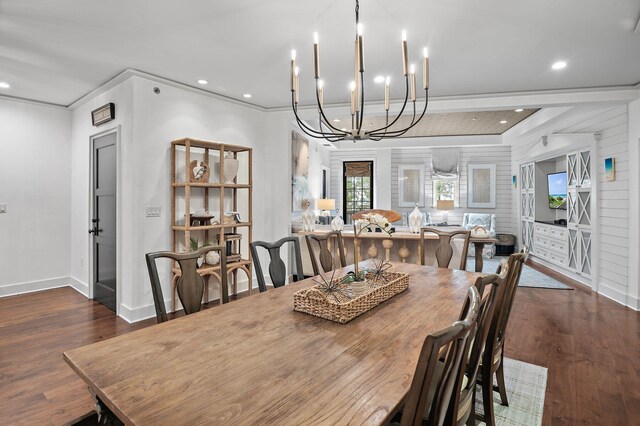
105 416
479 247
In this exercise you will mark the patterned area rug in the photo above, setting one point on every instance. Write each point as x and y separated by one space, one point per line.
529 277
526 384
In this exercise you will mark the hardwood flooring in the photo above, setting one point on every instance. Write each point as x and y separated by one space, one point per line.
590 345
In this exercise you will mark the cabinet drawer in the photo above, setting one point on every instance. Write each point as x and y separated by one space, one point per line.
558 259
541 242
558 233
541 229
541 252
557 245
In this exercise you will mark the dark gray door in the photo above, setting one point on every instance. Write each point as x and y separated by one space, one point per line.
104 220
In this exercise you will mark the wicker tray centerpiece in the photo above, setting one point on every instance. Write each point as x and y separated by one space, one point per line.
335 300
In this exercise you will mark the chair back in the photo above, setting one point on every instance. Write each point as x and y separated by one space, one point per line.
433 385
190 284
444 250
504 303
462 407
277 268
324 256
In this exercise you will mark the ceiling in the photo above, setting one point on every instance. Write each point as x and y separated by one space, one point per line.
58 51
447 123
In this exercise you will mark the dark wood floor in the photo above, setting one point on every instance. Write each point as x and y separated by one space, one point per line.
590 345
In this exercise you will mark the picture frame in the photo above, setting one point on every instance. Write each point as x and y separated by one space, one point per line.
411 185
610 169
481 186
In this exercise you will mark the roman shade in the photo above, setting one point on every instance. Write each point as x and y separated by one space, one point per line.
357 169
444 164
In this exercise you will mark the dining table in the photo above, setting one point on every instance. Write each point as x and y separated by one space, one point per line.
257 361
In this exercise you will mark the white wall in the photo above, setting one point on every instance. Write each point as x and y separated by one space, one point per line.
386 163
35 184
615 257
81 131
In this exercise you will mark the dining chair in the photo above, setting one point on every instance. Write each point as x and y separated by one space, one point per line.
434 381
462 408
444 251
190 284
324 256
492 362
277 268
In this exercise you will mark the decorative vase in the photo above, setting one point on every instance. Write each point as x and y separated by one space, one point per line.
231 166
212 258
337 224
415 220
359 287
308 219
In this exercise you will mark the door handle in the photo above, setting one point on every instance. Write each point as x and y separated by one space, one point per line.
95 230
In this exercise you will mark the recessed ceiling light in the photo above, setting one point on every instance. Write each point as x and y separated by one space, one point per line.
559 65
379 79
336 120
202 82
344 129
247 95
519 110
4 85
473 118
370 124
503 121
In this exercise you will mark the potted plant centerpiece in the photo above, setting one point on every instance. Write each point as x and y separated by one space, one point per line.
369 222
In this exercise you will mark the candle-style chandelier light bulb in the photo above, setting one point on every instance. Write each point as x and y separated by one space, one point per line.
357 101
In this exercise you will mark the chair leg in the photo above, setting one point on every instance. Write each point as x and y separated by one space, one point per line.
471 420
501 386
487 396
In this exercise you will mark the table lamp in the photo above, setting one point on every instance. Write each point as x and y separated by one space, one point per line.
325 205
444 205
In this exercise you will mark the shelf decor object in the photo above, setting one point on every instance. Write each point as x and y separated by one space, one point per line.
415 220
327 130
214 191
335 302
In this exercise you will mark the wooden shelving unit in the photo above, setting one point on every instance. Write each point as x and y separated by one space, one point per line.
212 196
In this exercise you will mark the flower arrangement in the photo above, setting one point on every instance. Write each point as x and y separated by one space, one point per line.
369 221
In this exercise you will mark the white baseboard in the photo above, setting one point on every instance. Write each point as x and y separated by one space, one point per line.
633 303
132 315
79 286
30 287
613 294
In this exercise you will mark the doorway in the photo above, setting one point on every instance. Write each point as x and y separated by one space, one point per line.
103 220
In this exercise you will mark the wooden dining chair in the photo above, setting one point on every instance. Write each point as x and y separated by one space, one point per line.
493 356
434 381
444 250
324 255
277 268
462 408
190 284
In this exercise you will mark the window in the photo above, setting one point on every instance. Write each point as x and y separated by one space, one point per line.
445 190
357 188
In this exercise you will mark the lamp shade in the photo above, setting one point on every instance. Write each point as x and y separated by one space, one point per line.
444 205
326 204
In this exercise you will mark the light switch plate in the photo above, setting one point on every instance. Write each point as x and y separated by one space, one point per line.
3 208
152 211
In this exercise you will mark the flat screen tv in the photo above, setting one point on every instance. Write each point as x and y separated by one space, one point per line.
557 185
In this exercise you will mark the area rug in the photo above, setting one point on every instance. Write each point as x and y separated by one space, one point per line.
526 384
529 277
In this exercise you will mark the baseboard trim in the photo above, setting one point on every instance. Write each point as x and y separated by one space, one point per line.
141 313
79 286
618 297
30 287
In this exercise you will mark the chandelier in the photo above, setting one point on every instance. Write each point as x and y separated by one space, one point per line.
333 134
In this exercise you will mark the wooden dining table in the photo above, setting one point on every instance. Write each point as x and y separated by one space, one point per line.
257 361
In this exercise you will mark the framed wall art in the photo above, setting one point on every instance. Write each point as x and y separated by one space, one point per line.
410 185
481 186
